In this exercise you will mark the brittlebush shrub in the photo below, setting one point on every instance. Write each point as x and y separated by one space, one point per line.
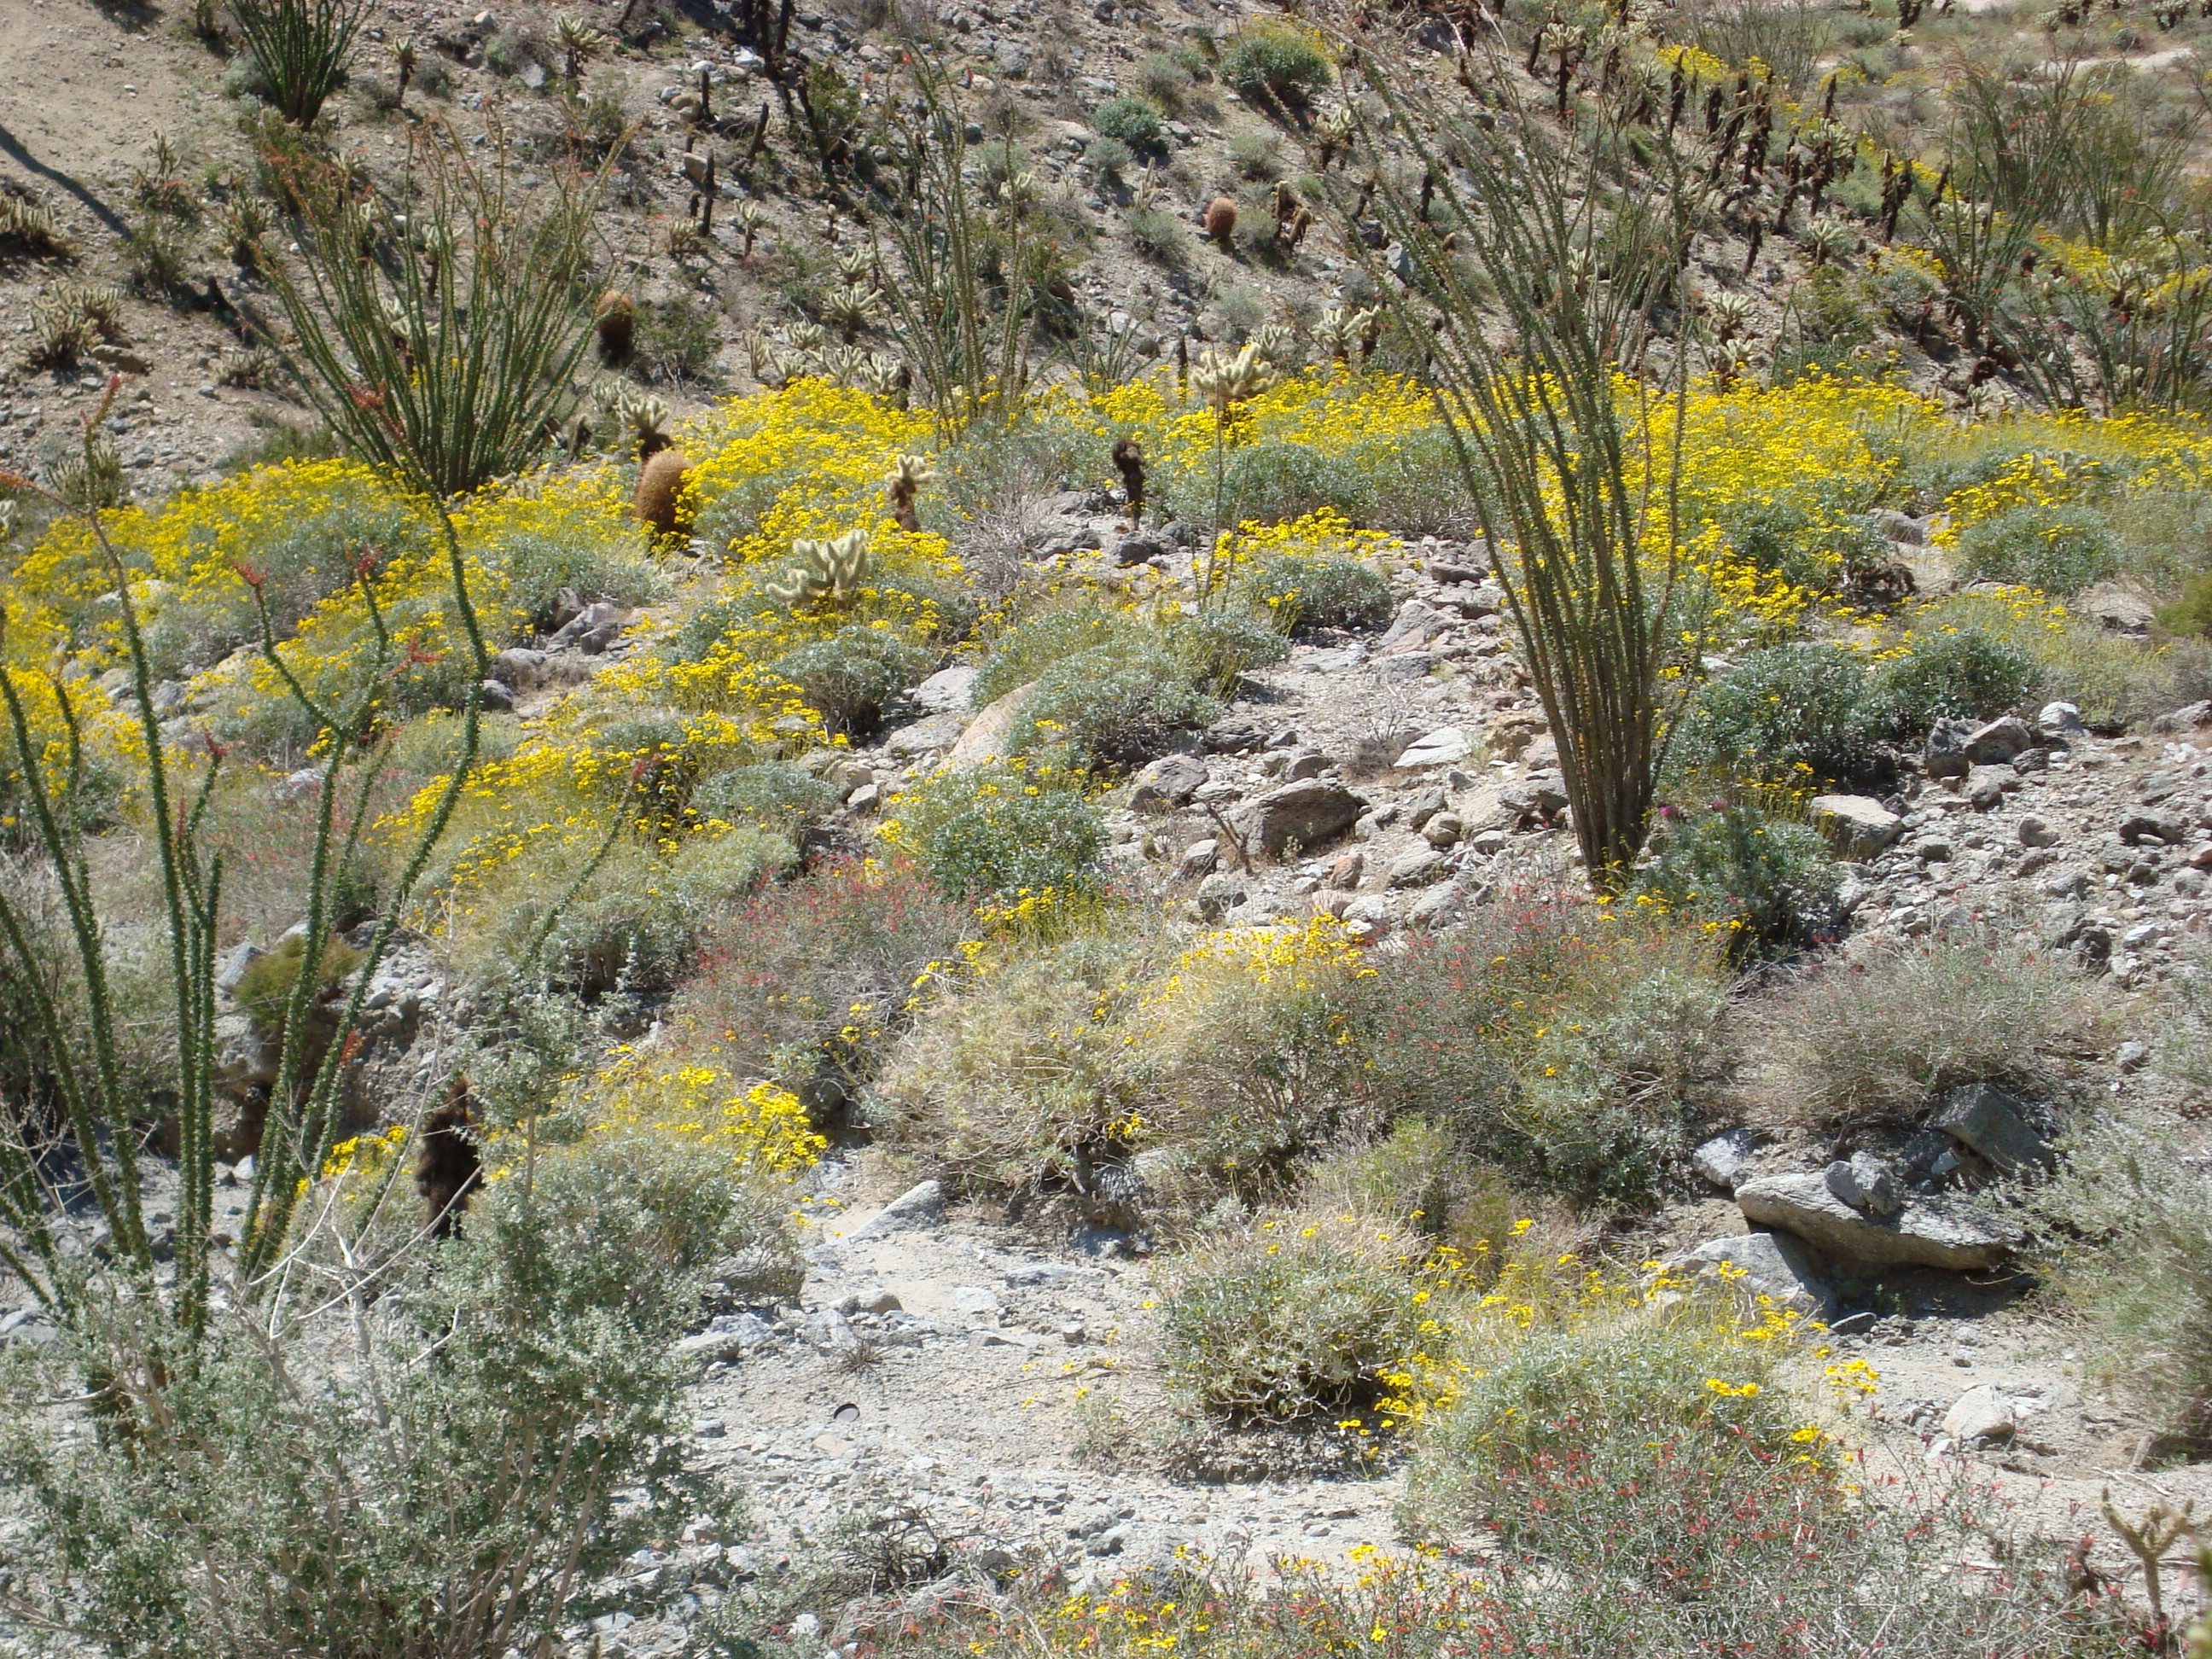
1290 1318
1004 828
1786 713
1279 62
2058 550
1881 1039
1306 593
1113 705
1763 883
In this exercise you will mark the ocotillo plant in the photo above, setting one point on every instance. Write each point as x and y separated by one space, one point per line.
1544 303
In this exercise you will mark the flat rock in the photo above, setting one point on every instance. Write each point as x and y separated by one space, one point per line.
1309 813
918 1205
1167 783
948 692
988 734
1937 1231
922 737
1857 826
1771 1264
1447 746
1997 742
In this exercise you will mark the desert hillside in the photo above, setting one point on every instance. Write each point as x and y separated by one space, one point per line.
1116 829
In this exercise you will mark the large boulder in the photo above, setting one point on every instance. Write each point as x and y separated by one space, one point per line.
1985 1119
1309 813
1926 1231
1767 1264
1857 826
988 734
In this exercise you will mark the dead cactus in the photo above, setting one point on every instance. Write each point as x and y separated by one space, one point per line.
913 471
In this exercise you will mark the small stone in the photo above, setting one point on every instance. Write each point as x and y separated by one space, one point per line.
1980 1414
1770 1264
1197 859
1169 782
1308 813
2034 832
2131 1055
1218 895
1986 785
1344 874
1445 747
1997 742
1442 830
2138 828
922 1204
1415 869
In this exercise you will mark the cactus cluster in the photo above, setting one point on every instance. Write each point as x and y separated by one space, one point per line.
832 571
28 227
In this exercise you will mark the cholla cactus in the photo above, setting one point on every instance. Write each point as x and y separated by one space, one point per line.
855 265
1222 381
1729 313
1828 239
829 570
847 364
806 337
886 375
1274 344
29 228
852 309
643 417
750 217
904 484
579 43
1341 332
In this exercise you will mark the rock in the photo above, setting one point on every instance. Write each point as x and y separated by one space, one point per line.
988 734
918 1205
1897 526
1308 813
519 668
1986 785
2139 827
1447 746
2131 1055
498 697
1415 869
1167 783
1308 763
235 962
591 630
1219 895
1344 874
948 692
1926 1232
2034 832
1437 908
1442 830
1857 826
1997 742
1723 1159
2061 719
1139 550
1771 1264
1987 1120
1197 859
1944 756
2187 717
1865 1183
1444 570
1980 1414
1413 627
926 736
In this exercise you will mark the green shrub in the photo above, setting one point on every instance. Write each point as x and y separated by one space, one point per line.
1134 121
217 1508
534 565
1969 674
1286 1319
1277 62
1004 828
632 928
1558 1049
1303 592
1022 653
1618 1405
774 794
1165 78
2120 1233
1157 234
2059 550
1113 706
819 970
1109 157
1216 649
265 990
429 745
1783 711
1883 1039
1769 885
849 677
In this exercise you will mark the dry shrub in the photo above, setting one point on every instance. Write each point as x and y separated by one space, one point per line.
1024 1062
1880 1039
1288 1318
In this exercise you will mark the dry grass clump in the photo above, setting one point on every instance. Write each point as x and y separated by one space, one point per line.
1880 1039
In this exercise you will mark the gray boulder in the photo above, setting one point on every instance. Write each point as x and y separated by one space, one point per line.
1771 1264
918 1205
1985 1119
1308 813
988 734
1981 1415
1857 826
1723 1159
1997 742
1167 783
1926 1232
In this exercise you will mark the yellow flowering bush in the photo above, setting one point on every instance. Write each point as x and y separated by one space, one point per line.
761 1128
